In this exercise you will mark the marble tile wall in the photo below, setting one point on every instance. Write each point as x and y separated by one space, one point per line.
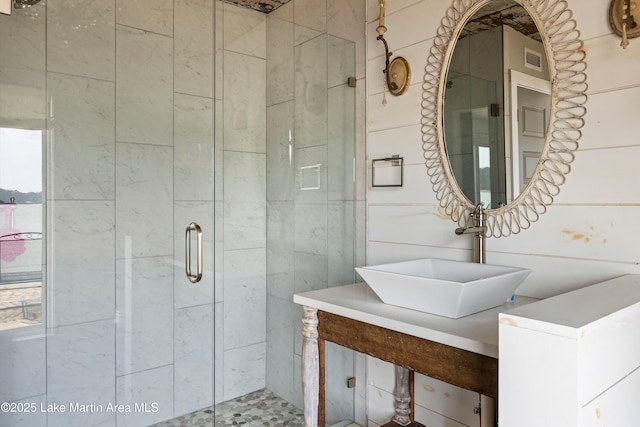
194 37
129 108
23 358
83 108
81 262
144 304
135 389
149 15
219 204
312 122
194 183
22 100
281 179
80 38
129 117
144 87
81 369
280 66
244 299
23 97
193 344
242 349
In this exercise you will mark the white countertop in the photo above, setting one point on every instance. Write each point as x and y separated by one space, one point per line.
566 314
477 333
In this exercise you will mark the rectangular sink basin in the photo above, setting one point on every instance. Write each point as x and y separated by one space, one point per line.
446 288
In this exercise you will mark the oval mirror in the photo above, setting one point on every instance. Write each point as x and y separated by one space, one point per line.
503 102
498 61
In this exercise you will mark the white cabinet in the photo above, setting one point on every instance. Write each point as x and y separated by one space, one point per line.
572 360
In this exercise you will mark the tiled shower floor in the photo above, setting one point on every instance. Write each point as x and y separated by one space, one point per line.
260 408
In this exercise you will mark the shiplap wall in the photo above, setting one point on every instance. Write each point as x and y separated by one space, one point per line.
588 235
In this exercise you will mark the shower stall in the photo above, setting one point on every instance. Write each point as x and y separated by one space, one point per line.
127 126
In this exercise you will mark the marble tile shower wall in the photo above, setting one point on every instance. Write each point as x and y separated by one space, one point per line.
241 304
125 93
23 105
313 118
126 96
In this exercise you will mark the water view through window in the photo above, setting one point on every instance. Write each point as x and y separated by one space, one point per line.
20 227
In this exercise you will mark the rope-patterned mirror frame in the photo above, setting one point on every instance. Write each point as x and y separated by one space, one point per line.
566 58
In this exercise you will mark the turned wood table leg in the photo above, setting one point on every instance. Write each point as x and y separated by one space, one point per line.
402 400
402 397
310 367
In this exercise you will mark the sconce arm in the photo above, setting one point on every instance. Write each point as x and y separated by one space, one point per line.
387 53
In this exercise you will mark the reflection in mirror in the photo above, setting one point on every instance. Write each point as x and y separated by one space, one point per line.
538 175
494 131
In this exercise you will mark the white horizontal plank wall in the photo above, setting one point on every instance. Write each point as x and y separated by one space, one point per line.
590 224
450 402
572 360
588 235
437 404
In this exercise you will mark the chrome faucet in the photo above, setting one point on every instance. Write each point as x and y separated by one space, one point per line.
479 228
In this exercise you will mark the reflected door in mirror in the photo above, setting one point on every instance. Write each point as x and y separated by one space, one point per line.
533 113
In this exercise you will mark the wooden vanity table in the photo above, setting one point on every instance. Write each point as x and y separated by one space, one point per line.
462 352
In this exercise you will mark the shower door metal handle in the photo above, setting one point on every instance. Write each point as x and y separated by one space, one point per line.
193 278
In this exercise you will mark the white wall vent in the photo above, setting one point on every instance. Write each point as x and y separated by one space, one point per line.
532 59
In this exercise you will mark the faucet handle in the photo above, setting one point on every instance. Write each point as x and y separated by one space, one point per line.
479 216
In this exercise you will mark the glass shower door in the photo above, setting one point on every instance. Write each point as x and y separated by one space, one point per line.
22 129
310 198
122 97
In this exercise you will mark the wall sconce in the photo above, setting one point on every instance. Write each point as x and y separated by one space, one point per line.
622 20
397 73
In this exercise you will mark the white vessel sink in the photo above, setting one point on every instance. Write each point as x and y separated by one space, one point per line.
446 288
